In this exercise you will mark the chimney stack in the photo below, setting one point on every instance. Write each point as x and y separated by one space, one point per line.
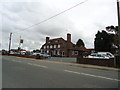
68 37
47 39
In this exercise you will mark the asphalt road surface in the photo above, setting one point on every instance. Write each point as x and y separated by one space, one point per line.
20 72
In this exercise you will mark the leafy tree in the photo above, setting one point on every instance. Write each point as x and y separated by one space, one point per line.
103 41
112 29
116 37
80 43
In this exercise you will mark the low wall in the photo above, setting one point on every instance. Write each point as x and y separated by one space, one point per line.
63 59
27 56
100 62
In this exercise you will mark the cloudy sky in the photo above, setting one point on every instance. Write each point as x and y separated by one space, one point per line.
82 21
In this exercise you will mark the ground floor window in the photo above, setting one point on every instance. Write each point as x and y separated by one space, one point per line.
63 53
75 52
47 51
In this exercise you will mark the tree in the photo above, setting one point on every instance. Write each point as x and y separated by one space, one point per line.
80 43
112 29
116 35
104 41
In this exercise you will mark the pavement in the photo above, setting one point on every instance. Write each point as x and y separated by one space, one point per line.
76 64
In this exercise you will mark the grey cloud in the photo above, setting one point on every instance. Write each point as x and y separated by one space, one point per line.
82 22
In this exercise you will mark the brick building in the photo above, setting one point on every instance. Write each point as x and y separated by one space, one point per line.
61 47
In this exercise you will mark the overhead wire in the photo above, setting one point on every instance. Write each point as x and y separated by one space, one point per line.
52 16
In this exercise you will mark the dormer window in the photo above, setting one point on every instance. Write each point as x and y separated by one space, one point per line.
56 41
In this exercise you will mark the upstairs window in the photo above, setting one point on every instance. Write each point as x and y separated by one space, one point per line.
47 46
44 47
56 41
58 46
50 46
54 46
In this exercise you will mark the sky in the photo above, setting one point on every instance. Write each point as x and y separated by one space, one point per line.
82 22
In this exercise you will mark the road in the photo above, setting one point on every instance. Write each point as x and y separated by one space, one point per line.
20 72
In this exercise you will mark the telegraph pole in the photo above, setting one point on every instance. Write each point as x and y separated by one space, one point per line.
118 11
20 45
10 41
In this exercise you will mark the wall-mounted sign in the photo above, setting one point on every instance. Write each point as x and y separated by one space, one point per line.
21 41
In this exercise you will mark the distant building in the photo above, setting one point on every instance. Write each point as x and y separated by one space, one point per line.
61 47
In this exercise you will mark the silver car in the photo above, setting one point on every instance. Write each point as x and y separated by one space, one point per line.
98 56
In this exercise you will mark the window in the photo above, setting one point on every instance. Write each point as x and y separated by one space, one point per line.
76 52
58 46
44 47
63 53
50 46
54 52
56 41
47 51
54 46
47 46
72 52
58 52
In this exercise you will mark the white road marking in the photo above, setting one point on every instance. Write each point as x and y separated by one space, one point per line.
16 61
18 57
41 66
29 63
91 75
30 58
38 65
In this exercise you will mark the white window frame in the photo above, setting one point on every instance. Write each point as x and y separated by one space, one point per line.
58 52
56 41
44 47
54 46
76 52
73 52
47 51
50 46
47 46
58 45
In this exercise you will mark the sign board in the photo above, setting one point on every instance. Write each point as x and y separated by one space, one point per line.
21 41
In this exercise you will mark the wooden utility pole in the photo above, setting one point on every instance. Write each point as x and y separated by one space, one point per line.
118 11
10 42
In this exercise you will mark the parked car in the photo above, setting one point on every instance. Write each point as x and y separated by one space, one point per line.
36 53
110 55
42 54
45 55
98 56
12 52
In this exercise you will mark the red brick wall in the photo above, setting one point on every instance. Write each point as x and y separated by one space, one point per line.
101 62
